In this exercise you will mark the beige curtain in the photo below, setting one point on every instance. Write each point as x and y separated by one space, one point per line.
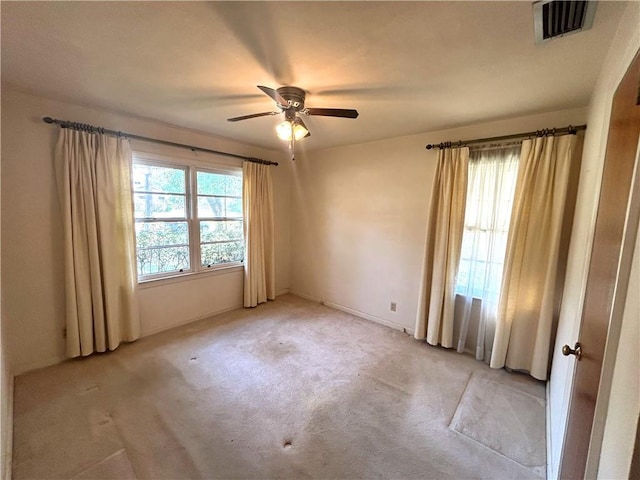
442 254
257 206
94 184
525 323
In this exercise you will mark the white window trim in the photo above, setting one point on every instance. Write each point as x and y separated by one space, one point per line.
181 277
191 167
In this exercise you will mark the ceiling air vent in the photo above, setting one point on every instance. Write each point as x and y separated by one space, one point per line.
556 18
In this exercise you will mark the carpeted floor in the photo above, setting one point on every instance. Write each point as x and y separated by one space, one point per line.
290 389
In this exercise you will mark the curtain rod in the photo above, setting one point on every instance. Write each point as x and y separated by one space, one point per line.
538 133
90 128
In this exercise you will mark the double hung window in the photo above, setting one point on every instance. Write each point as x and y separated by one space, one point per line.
491 186
188 218
219 218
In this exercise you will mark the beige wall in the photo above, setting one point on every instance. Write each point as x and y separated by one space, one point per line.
359 217
32 269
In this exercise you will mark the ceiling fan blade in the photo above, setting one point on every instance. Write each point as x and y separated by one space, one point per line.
253 115
333 112
274 95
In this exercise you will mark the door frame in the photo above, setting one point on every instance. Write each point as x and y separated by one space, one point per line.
632 222
618 297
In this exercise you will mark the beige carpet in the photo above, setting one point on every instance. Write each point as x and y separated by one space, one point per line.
290 389
504 419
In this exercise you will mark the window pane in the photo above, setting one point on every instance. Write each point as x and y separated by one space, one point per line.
219 207
161 234
219 184
234 207
211 207
151 178
478 279
159 205
221 231
162 247
222 253
234 185
462 280
162 260
211 183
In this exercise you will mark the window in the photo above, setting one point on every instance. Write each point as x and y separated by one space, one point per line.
492 179
220 218
188 219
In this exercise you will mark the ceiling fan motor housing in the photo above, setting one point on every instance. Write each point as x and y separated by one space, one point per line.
294 96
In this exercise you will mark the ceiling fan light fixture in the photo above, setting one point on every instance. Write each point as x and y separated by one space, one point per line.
289 128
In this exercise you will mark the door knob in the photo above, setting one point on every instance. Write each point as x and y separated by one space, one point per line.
577 351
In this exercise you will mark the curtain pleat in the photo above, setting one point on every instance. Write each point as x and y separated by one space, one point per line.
94 184
526 308
257 205
444 239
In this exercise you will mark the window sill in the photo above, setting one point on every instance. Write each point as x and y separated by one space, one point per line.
185 277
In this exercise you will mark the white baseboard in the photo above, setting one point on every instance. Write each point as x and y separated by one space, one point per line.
164 328
54 360
373 318
152 331
357 313
20 369
305 296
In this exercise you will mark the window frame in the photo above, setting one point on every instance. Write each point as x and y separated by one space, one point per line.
191 168
198 220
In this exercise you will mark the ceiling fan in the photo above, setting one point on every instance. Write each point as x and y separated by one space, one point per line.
290 101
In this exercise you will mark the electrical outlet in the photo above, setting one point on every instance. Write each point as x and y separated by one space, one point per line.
393 306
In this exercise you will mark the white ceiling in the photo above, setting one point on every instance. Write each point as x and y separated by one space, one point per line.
407 67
